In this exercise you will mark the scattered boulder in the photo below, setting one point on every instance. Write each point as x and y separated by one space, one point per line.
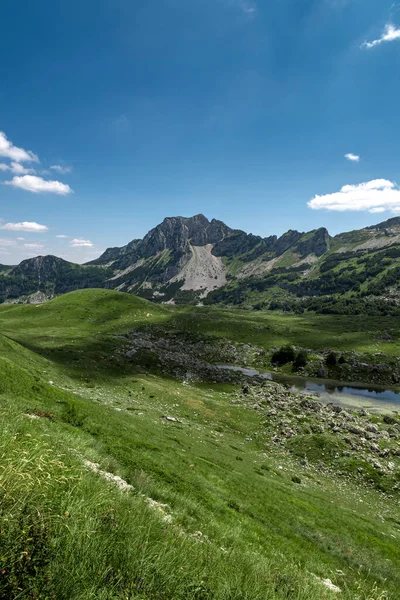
387 337
389 420
171 419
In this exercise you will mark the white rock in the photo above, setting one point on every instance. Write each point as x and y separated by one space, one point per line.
118 481
328 583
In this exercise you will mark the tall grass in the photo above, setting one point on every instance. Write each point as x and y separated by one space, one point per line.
68 534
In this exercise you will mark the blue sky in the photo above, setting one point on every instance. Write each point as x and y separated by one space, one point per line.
243 110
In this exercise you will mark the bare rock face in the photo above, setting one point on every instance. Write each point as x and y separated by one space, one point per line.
174 234
170 255
316 242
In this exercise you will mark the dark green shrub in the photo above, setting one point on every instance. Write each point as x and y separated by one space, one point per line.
331 360
300 360
72 415
284 355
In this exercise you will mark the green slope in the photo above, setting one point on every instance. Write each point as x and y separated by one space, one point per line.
214 512
338 283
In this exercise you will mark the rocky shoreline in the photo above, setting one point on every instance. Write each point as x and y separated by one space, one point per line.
345 443
186 356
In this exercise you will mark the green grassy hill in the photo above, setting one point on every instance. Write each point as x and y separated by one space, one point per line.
118 481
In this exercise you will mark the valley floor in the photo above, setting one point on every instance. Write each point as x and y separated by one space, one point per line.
121 481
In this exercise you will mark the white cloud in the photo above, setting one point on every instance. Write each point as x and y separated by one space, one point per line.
5 242
375 196
16 168
25 226
352 157
378 209
389 35
61 169
79 242
34 246
23 177
8 150
62 237
21 239
247 6
37 185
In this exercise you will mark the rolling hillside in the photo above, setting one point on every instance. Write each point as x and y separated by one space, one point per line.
119 480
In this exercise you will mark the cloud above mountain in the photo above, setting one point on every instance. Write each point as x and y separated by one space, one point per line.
25 226
79 242
24 177
34 246
374 196
37 185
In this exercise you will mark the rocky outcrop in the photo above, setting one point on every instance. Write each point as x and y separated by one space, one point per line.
316 242
42 267
286 241
174 234
328 437
184 356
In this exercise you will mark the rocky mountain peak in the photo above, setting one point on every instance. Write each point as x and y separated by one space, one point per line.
315 242
175 234
39 265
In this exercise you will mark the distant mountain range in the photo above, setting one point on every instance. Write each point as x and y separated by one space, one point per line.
192 260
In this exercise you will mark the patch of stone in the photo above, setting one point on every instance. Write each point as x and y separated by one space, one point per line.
163 509
115 479
368 438
328 584
171 419
185 357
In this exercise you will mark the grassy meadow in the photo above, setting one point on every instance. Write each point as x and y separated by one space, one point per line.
212 512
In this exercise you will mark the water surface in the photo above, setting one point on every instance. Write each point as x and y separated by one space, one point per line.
371 397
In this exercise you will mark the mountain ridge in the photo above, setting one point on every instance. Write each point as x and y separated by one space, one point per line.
190 259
